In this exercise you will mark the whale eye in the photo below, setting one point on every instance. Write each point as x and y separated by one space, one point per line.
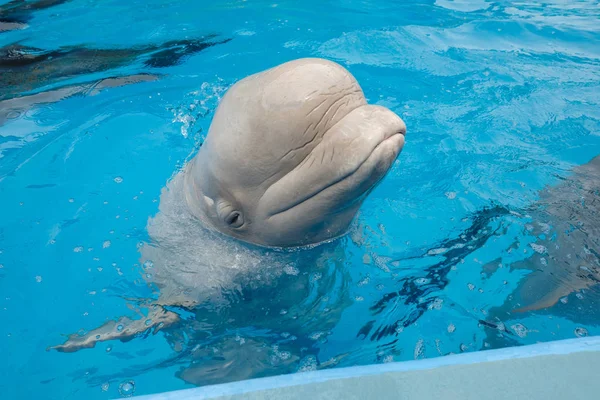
234 219
229 214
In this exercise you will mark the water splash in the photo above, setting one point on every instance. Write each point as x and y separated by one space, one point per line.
199 104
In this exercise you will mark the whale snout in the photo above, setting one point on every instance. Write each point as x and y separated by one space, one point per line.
328 186
377 136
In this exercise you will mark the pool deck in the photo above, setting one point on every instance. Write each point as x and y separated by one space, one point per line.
566 369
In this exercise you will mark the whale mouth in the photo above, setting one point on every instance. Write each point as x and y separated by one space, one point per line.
392 141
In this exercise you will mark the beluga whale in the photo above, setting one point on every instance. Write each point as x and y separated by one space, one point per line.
291 154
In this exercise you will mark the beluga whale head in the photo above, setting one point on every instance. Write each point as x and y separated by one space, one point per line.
290 155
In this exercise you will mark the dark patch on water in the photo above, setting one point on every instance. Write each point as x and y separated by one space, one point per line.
24 69
21 11
436 275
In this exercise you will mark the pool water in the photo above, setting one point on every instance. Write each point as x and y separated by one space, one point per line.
101 103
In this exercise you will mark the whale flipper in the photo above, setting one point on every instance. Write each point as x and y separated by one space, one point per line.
123 329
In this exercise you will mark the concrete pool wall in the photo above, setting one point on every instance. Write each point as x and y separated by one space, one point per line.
566 369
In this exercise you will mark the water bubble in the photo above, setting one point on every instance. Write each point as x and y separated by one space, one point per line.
78 249
148 322
71 200
308 363
119 328
520 330
436 304
463 347
471 286
422 281
106 244
450 195
316 335
316 276
108 349
579 296
290 270
399 329
38 279
581 332
148 264
363 281
388 359
419 349
240 339
118 179
564 300
127 388
538 248
283 312
451 328
105 387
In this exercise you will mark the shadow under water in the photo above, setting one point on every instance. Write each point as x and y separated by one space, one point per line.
16 13
24 69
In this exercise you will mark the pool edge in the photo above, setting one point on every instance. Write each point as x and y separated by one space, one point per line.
244 388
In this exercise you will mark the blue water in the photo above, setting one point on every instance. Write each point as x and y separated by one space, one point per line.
501 99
